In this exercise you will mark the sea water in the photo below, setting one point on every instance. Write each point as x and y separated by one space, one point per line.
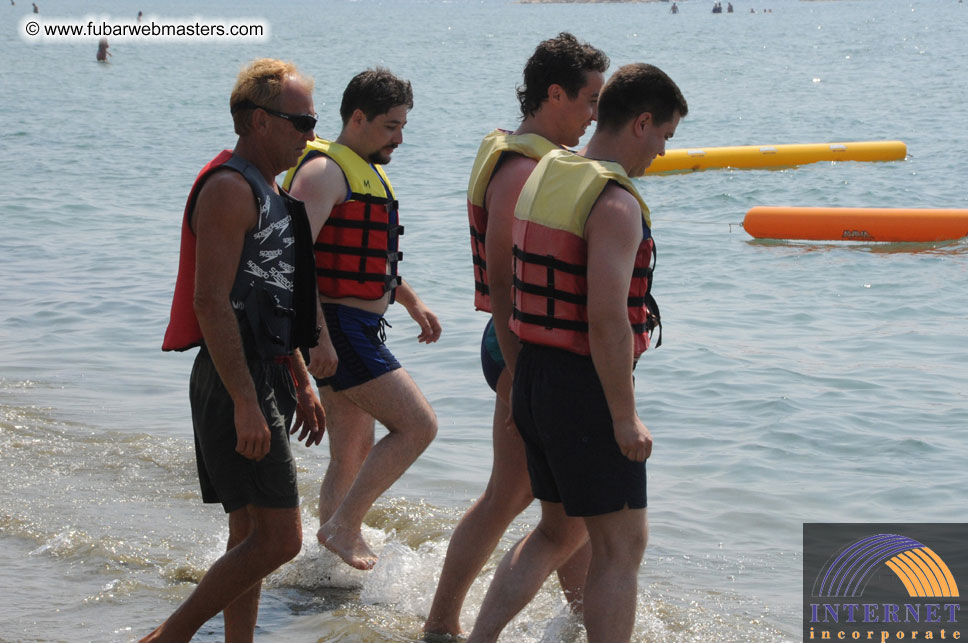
797 382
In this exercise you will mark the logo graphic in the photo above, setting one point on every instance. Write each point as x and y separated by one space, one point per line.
883 582
922 571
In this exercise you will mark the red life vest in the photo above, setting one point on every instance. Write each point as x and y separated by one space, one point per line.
550 255
357 249
183 330
492 147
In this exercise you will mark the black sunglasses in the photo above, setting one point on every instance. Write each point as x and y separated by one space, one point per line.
302 122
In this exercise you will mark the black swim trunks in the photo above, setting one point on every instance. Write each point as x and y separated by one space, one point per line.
561 412
224 475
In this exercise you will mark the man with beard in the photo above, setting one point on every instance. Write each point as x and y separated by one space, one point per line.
354 219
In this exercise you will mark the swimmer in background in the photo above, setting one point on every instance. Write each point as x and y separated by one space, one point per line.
102 50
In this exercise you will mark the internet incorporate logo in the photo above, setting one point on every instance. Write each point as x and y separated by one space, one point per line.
922 571
867 582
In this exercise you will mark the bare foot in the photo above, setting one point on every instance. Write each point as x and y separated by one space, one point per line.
440 637
440 630
346 544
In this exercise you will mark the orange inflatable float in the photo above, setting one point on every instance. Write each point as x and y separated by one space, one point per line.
855 224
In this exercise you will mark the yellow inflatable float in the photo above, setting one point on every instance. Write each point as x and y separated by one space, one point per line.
855 224
775 156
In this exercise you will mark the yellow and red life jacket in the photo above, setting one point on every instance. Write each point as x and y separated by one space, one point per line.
489 154
357 249
550 255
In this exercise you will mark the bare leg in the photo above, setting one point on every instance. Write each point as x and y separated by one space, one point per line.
508 493
394 400
240 615
350 432
618 541
571 576
479 530
524 569
274 537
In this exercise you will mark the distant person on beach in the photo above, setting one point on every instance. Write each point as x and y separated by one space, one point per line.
674 8
102 50
558 100
244 294
355 221
583 311
139 16
36 10
729 7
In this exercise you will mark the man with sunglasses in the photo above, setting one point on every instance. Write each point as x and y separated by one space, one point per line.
245 296
355 224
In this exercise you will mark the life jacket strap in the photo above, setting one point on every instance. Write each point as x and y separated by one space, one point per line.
548 261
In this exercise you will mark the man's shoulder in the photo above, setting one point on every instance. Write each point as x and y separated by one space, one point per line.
227 201
619 200
323 173
515 164
615 213
225 182
511 175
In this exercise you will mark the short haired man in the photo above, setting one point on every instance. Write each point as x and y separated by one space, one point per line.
353 215
583 254
558 99
244 295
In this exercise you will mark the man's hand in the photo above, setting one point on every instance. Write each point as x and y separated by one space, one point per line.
310 416
252 432
634 439
322 358
429 325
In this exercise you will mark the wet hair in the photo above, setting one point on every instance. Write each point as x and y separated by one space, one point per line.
635 89
563 60
375 92
261 83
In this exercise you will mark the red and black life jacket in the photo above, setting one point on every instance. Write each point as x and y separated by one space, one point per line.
550 255
357 250
489 154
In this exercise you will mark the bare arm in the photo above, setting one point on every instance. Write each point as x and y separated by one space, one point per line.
224 213
321 186
502 196
310 416
614 232
425 318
